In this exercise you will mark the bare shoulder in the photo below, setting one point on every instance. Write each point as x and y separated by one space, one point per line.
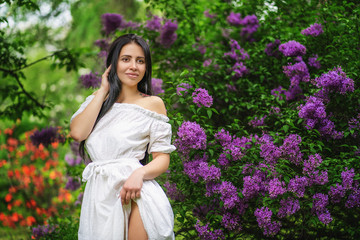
156 104
94 93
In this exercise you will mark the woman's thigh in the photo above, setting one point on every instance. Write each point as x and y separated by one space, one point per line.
136 226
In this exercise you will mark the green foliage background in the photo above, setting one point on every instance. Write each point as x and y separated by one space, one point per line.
54 84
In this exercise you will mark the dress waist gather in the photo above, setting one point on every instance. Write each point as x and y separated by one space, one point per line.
96 167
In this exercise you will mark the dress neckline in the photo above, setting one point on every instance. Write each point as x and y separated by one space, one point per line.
143 110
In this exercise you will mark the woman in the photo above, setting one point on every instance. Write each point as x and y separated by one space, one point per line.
120 122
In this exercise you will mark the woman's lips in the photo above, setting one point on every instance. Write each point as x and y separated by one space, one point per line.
132 75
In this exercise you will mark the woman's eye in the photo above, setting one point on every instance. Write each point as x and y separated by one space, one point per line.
125 59
141 61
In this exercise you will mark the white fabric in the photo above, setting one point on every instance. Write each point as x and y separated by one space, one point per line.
115 146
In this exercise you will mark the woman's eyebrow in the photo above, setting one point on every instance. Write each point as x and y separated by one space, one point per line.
131 56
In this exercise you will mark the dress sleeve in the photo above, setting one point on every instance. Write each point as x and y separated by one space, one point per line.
160 137
82 107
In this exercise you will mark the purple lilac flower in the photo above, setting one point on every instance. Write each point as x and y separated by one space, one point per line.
236 52
223 137
207 14
230 88
168 35
209 173
253 185
72 184
274 110
42 230
292 49
320 201
317 177
46 136
231 221
348 178
293 93
298 59
130 25
276 187
354 122
353 199
234 19
205 233
297 73
201 98
79 199
156 84
312 163
251 24
272 49
103 55
190 136
335 81
337 193
313 112
91 80
270 152
290 149
182 88
111 21
103 44
239 69
173 192
278 91
154 24
211 188
223 160
324 216
236 147
297 185
256 122
313 62
229 195
201 49
207 62
191 168
314 30
288 207
73 160
263 217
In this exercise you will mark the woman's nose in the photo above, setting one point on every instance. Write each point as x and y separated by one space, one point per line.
133 65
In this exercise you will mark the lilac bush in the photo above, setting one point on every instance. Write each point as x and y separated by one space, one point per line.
273 151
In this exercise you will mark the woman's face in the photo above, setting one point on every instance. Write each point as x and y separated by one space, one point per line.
131 65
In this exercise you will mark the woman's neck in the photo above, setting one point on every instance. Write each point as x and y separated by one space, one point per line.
128 94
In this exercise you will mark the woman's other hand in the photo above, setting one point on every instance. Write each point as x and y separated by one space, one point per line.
132 187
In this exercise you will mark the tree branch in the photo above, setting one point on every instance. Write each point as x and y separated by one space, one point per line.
30 64
27 93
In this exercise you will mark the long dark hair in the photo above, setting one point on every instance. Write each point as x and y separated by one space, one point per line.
143 86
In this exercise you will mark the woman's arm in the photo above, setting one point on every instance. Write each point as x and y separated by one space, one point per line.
82 124
156 167
133 184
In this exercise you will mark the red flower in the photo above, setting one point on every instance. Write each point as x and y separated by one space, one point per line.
30 220
8 197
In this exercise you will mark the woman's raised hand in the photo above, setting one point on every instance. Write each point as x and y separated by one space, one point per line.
105 86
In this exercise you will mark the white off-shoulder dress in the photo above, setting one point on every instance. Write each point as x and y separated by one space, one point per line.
115 146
